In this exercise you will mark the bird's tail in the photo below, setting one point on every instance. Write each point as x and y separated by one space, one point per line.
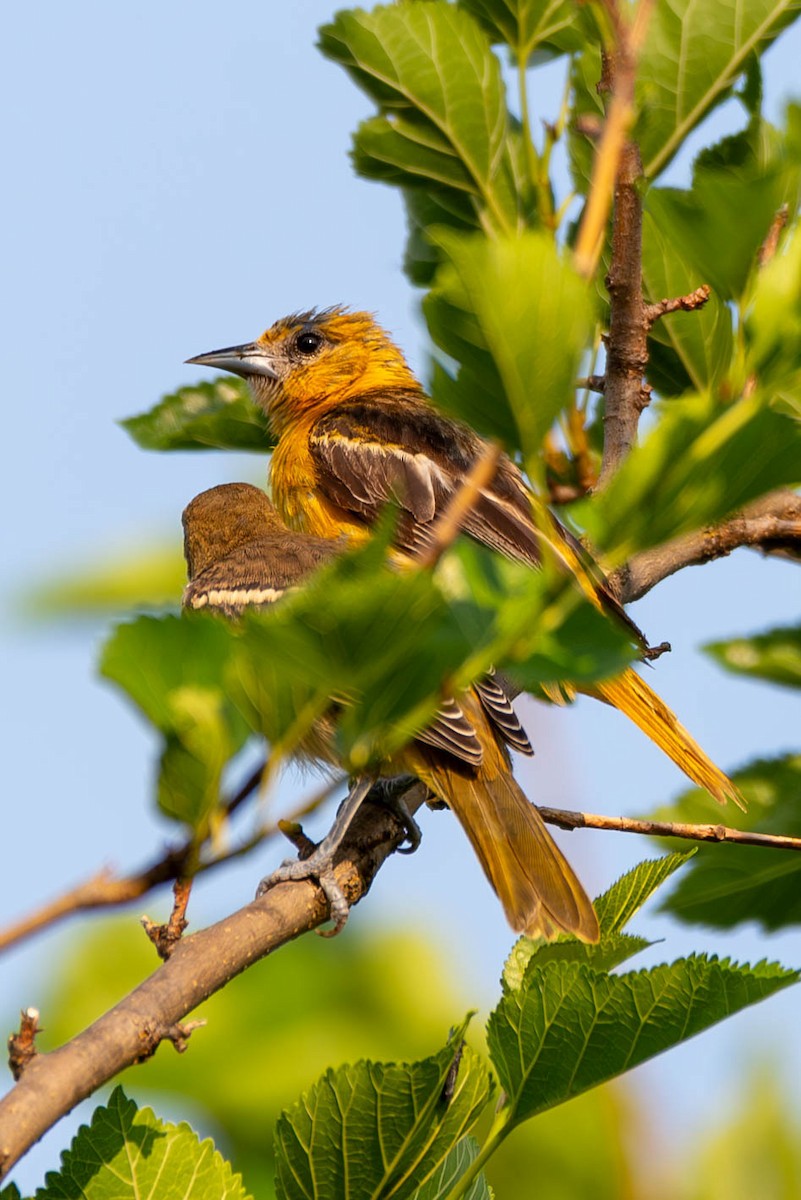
540 894
631 695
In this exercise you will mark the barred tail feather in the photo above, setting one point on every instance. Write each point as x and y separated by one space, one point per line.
540 894
631 695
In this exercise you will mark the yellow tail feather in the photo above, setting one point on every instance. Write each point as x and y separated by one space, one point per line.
631 695
540 894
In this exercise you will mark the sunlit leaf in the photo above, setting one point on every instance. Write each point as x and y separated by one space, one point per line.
213 415
568 1027
387 1128
694 52
437 84
127 1153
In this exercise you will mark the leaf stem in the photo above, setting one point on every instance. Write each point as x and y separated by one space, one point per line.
500 1128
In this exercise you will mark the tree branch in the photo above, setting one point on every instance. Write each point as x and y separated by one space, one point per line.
566 819
52 1084
104 890
772 524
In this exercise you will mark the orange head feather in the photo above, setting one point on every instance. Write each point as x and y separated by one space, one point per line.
308 362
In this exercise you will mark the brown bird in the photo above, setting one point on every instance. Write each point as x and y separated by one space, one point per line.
239 553
355 430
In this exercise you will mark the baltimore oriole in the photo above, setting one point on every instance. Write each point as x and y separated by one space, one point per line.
239 553
355 429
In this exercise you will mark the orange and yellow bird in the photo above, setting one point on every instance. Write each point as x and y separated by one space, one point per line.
355 430
240 554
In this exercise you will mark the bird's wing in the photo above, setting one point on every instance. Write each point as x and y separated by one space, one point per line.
392 448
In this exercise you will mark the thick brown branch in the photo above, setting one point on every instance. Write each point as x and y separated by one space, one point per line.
200 965
567 819
772 523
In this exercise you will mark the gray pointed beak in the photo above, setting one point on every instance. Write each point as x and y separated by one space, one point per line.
246 360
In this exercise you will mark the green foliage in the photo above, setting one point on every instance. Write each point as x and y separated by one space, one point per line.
118 582
383 1129
128 1152
219 415
774 655
486 298
727 885
702 461
443 120
172 669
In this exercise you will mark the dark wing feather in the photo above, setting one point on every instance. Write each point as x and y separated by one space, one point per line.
497 704
451 731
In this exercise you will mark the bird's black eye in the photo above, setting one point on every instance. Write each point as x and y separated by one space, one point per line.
308 342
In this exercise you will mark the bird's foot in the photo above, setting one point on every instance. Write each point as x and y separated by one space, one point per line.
317 866
391 794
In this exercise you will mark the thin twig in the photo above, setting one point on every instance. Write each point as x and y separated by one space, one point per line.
105 890
566 819
166 937
688 303
771 243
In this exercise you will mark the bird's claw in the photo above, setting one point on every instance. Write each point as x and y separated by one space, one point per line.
318 867
391 794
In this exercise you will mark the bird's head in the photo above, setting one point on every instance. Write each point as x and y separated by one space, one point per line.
221 520
312 360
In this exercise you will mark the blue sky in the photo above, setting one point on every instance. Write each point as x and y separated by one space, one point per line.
177 178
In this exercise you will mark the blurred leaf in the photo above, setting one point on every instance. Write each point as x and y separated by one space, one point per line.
614 909
729 884
384 1127
153 577
438 86
701 462
775 655
754 1153
694 53
773 325
173 669
502 291
688 351
216 415
128 1152
10 1192
569 1027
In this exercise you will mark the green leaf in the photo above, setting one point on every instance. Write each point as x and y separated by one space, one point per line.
775 655
129 1152
688 351
502 291
11 1192
729 884
173 669
773 325
694 52
451 1170
614 909
427 208
558 26
568 1027
429 68
702 461
215 415
385 1128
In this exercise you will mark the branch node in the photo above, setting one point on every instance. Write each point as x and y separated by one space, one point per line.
293 832
180 1033
166 937
22 1045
